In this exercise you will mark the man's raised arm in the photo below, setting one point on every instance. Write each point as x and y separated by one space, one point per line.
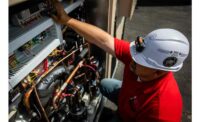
91 33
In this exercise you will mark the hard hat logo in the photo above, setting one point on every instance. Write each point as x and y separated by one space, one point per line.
170 61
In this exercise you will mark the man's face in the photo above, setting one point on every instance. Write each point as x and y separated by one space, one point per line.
145 73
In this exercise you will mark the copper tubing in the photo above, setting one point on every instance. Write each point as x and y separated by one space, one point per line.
28 93
41 107
26 101
27 98
66 83
57 63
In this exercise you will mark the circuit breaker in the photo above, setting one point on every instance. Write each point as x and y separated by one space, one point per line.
53 74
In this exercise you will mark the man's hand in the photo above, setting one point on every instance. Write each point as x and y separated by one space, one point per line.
90 32
61 16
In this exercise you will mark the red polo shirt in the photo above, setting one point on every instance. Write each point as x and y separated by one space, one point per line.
155 101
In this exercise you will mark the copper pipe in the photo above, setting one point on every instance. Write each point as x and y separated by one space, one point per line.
27 98
57 63
41 107
66 83
28 93
26 101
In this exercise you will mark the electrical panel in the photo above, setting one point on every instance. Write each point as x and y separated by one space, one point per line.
52 74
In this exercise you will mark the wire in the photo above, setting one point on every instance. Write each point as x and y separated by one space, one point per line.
67 95
90 67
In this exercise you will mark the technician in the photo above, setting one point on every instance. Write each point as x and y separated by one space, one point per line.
149 91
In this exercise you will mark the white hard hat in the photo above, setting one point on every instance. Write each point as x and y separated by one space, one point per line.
163 49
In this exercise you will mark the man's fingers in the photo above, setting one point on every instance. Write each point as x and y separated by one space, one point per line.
54 18
58 6
55 1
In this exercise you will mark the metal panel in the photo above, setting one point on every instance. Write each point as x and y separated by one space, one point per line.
26 69
19 36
